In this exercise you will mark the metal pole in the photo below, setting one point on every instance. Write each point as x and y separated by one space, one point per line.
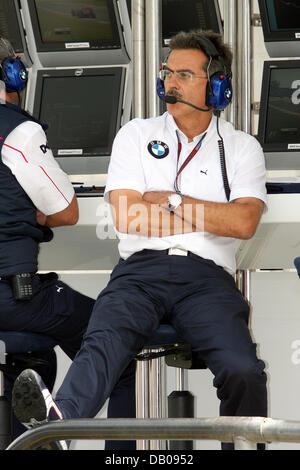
138 48
244 65
1 384
142 398
153 54
247 66
243 282
223 429
157 393
151 394
181 379
241 443
230 31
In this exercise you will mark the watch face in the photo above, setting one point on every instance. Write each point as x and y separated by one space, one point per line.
175 200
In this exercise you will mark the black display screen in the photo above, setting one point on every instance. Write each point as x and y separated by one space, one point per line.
185 15
66 24
283 15
82 109
283 107
9 25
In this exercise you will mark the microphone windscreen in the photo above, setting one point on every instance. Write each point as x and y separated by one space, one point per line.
170 99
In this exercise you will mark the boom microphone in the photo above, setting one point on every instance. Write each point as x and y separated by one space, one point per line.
171 99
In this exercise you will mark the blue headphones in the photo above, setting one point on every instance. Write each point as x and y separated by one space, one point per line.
219 87
14 74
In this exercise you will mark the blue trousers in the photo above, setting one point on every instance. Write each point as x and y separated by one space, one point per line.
199 299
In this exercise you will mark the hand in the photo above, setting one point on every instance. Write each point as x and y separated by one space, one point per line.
157 197
40 217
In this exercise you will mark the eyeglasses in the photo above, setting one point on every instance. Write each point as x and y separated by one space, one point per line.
182 76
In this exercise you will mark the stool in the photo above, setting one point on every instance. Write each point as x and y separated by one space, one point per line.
151 382
17 346
297 264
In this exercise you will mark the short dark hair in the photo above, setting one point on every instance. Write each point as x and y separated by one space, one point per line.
200 39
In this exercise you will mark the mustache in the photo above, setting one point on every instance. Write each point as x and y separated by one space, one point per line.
175 93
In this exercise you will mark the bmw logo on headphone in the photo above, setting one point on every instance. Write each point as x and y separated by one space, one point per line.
228 94
23 75
158 149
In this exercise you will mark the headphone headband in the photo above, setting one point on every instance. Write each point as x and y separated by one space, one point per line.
208 47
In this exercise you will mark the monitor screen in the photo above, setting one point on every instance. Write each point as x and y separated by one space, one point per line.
283 15
10 24
281 26
279 120
184 15
82 108
74 24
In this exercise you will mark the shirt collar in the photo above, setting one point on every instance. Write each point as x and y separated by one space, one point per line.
174 128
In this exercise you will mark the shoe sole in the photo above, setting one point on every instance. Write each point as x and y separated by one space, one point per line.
27 400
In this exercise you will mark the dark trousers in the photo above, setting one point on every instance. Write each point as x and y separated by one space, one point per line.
199 299
58 311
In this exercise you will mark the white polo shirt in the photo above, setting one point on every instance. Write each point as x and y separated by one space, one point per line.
26 153
144 158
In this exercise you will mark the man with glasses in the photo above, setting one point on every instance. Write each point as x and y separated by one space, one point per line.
178 214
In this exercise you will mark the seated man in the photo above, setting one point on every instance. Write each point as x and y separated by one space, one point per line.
35 195
178 216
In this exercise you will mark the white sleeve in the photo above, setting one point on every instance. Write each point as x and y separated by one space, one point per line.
27 154
250 174
125 168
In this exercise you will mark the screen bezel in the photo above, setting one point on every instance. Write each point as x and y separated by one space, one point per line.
263 113
115 124
274 36
101 45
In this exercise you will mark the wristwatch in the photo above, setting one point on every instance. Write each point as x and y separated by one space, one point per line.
174 201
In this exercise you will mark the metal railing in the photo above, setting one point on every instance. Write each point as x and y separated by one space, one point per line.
244 432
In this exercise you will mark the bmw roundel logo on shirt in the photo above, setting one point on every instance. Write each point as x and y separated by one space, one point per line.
158 149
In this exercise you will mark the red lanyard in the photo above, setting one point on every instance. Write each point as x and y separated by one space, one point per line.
187 160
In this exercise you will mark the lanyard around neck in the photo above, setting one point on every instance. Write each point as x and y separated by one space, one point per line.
187 160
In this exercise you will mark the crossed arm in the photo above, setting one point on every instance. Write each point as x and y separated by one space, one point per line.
148 215
68 216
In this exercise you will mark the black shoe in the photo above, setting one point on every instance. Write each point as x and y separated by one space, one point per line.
33 404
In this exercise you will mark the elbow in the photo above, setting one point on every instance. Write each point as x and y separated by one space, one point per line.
73 220
247 232
72 217
246 236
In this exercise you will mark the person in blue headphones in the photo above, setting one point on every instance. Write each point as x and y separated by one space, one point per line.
35 196
183 188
